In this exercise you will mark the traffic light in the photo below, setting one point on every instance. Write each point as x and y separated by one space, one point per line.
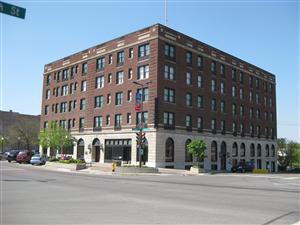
143 138
138 139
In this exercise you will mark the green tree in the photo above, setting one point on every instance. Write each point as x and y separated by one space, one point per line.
56 137
24 133
288 153
197 149
3 141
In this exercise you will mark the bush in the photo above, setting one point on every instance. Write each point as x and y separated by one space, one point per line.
260 171
53 159
68 161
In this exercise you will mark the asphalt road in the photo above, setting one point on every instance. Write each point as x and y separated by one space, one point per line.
32 195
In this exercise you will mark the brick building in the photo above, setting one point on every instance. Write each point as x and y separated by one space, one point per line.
190 90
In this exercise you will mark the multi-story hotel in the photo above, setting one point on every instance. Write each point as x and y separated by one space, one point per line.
190 91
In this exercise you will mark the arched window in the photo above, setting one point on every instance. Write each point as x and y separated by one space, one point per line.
252 150
96 142
258 150
169 150
214 150
234 149
267 150
243 150
273 151
188 156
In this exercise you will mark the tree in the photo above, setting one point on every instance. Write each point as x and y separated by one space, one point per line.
288 153
197 149
3 141
25 133
56 137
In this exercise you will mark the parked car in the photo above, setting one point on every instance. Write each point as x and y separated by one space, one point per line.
243 167
24 157
38 160
12 155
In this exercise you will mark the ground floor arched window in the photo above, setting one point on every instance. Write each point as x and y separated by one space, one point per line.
252 150
188 156
169 150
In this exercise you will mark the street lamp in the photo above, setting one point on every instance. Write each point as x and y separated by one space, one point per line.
141 126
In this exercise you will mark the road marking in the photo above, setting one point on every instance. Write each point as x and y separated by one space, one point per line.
10 169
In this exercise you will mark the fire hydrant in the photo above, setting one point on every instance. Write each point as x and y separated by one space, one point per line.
113 167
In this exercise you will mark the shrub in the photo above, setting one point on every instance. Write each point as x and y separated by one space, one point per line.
260 171
53 159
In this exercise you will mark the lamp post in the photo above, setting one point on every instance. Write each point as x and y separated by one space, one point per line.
141 126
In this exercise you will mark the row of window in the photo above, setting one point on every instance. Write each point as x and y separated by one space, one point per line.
98 101
169 122
143 51
141 117
169 151
170 52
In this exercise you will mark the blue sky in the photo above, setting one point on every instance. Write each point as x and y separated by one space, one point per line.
264 33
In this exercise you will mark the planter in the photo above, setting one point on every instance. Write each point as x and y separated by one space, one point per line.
196 170
134 169
71 166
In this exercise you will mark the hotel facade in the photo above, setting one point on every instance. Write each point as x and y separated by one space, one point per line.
190 90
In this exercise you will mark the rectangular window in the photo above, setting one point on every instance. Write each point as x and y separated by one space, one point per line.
130 73
83 85
107 120
98 122
222 70
241 77
223 107
199 81
98 101
169 95
213 105
189 58
82 104
119 98
63 107
46 109
120 57
120 77
128 118
48 94
223 126
169 118
222 87
188 78
241 93
250 81
110 59
213 124
144 94
188 121
213 85
200 123
241 110
200 101
129 95
169 72
81 122
64 90
233 74
213 67
48 79
200 61
108 99
84 68
143 72
100 64
170 51
65 74
188 99
144 50
130 53
99 83
118 120
233 91
139 119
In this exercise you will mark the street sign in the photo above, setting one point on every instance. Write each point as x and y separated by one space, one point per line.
12 10
138 129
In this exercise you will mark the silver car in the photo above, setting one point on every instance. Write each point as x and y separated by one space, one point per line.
38 160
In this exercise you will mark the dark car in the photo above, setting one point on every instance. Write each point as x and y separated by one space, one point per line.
243 167
24 157
12 155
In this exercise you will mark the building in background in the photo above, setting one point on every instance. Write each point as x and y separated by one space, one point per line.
11 122
190 90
